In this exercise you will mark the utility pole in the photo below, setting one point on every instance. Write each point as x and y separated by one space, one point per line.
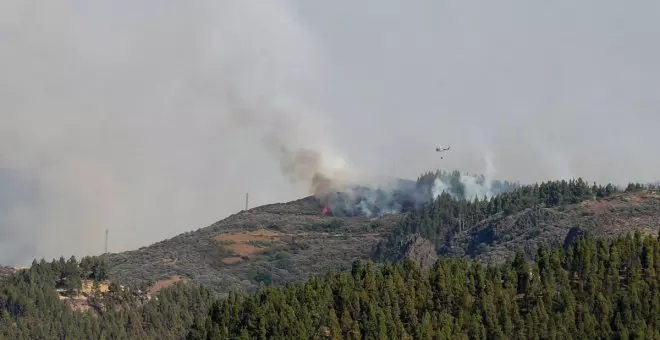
246 200
106 241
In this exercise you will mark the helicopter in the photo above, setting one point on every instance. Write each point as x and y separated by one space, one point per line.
442 149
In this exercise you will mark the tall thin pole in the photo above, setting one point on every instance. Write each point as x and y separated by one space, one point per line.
106 241
246 201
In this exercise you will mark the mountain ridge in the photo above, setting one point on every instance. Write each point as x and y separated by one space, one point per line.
263 244
282 243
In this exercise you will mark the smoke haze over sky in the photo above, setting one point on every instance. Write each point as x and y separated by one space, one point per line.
150 118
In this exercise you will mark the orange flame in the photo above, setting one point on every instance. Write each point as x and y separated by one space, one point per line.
326 210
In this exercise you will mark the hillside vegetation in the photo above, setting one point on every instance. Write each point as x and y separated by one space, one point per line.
552 286
592 290
278 244
288 242
50 301
524 218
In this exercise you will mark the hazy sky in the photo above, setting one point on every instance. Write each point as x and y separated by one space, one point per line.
150 118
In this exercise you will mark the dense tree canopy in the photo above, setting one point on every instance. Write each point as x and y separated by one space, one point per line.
451 212
31 308
592 290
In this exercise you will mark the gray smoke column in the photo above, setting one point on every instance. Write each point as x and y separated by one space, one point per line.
296 138
469 186
476 185
151 118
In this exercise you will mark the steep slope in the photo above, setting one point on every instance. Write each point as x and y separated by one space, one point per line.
288 242
276 243
499 236
606 297
417 249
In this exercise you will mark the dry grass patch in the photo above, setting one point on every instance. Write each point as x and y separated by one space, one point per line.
166 283
247 236
242 243
88 286
599 207
232 259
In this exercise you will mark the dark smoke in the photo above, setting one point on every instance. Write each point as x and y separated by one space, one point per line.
296 142
306 165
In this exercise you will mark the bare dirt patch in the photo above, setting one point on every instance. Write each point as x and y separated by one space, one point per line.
599 207
232 259
247 236
88 287
243 243
166 283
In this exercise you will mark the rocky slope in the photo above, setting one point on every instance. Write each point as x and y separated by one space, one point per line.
288 242
418 249
276 243
499 236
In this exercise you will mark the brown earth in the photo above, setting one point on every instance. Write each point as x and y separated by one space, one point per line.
88 287
242 244
246 236
81 301
276 243
166 283
232 259
600 206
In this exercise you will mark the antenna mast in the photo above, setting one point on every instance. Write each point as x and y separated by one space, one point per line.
106 241
246 201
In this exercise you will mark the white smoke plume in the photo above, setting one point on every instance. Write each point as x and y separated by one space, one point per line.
150 118
439 186
480 187
471 185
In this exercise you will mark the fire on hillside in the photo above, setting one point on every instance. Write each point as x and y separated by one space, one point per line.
373 203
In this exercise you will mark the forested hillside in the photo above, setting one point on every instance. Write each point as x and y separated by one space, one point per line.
458 183
459 225
546 289
594 290
48 301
